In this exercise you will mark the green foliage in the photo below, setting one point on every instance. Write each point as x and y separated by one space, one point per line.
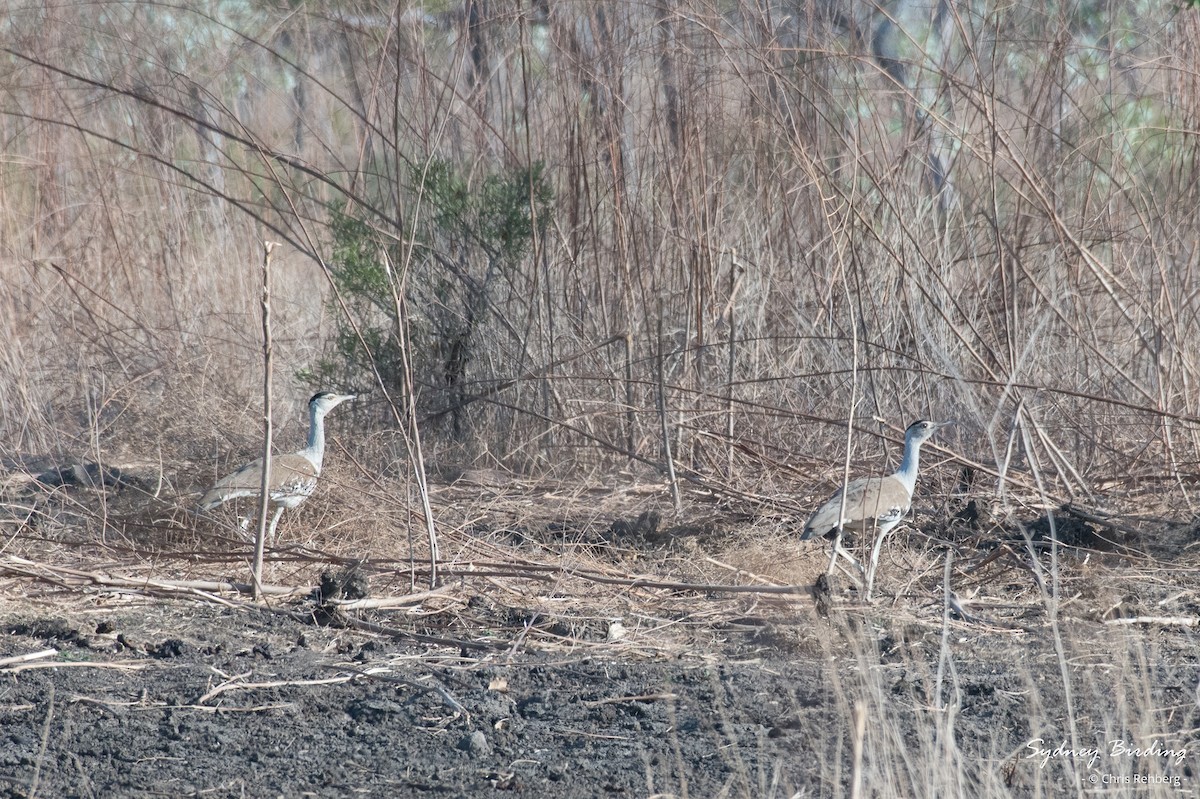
469 233
501 218
513 209
445 191
357 264
356 257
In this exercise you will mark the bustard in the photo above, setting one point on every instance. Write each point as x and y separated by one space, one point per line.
293 476
873 504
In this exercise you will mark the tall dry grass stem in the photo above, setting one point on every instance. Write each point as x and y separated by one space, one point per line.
663 417
264 499
857 748
412 430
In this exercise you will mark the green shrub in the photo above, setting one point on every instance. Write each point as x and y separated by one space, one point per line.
466 236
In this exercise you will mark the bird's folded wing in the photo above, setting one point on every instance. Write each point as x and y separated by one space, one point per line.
869 501
287 472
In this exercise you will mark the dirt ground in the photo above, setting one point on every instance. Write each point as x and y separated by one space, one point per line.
485 689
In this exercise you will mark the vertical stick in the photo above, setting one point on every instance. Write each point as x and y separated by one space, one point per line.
731 319
837 539
662 417
630 418
412 438
41 758
944 652
1053 599
860 734
264 499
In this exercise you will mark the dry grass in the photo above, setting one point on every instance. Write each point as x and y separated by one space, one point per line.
744 236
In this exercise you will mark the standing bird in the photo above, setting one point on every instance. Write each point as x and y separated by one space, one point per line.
873 504
293 477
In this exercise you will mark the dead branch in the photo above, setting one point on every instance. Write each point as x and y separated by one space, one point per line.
75 664
254 686
45 653
1163 621
73 578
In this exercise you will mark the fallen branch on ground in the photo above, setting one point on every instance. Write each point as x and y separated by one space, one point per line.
45 653
1165 621
74 664
14 566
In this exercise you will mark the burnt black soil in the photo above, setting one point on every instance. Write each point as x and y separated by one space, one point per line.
332 712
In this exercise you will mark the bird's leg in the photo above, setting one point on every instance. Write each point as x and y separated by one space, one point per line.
274 521
837 547
845 553
875 550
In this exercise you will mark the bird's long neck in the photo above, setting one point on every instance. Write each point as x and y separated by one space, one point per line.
907 474
315 451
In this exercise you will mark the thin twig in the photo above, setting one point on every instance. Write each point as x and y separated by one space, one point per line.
386 603
613 700
45 653
253 686
67 577
119 665
41 758
412 438
1163 621
860 734
665 428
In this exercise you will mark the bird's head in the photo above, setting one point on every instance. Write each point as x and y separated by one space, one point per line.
922 430
324 401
